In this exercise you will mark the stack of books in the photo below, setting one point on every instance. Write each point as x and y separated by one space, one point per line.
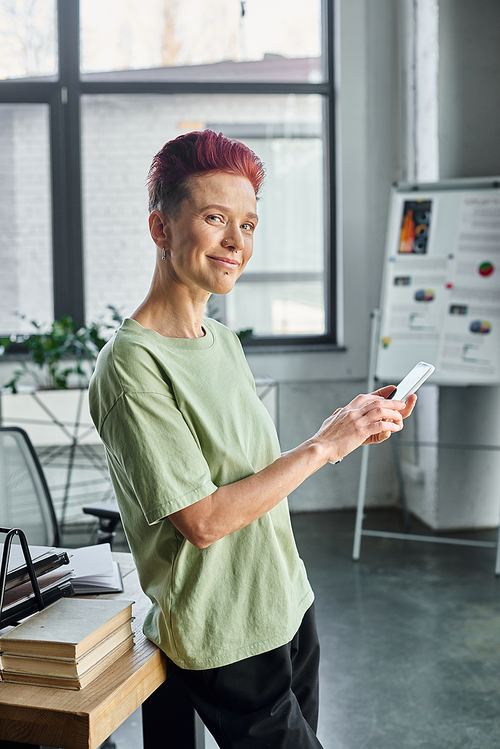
68 644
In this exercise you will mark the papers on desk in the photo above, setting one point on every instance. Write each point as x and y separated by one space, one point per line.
94 570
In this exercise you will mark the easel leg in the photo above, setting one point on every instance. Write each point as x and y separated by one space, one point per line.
363 476
170 720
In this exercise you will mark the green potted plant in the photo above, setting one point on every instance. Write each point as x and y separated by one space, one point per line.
60 355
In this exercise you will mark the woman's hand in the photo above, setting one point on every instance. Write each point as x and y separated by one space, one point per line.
409 405
366 420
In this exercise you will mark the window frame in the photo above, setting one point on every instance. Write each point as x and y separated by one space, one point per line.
63 92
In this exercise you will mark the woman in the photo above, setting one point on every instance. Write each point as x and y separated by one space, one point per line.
196 464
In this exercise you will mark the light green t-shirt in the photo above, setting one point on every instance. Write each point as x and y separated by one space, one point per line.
179 418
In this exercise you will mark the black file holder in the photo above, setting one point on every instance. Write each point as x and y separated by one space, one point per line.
40 601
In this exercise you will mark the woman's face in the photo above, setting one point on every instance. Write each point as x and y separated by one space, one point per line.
211 240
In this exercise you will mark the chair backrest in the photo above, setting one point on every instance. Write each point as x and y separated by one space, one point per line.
25 500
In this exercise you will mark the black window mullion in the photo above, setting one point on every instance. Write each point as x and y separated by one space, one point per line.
22 92
66 170
330 176
200 87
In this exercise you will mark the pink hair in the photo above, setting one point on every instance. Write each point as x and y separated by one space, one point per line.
195 153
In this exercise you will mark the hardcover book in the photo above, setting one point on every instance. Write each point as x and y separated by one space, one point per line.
67 629
70 682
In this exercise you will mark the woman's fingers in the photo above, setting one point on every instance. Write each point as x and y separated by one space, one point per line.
381 394
410 404
349 428
382 410
371 412
375 439
381 436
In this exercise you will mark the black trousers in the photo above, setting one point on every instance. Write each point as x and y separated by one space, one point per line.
269 701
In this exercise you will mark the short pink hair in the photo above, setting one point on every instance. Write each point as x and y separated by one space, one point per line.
195 153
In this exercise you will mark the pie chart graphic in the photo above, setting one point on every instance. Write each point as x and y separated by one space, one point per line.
480 326
424 295
486 269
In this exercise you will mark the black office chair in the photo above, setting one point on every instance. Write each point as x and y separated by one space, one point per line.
25 500
109 517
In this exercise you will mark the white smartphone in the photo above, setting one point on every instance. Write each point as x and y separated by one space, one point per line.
411 383
408 385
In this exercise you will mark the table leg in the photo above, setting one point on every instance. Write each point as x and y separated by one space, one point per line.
168 718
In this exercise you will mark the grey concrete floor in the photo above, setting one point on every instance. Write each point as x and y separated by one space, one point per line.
410 639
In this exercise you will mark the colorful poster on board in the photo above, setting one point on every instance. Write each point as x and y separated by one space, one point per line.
471 329
415 278
441 288
415 227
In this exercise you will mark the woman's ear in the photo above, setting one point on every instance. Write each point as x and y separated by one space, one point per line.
158 229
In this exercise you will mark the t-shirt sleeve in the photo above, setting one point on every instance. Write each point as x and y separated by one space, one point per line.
157 454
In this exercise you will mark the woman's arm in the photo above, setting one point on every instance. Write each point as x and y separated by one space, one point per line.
367 419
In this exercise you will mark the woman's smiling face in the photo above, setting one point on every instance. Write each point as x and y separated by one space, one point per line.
210 241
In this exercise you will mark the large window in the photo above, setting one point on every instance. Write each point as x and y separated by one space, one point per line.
28 38
126 35
90 95
25 235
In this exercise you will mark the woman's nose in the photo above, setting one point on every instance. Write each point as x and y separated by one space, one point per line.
233 242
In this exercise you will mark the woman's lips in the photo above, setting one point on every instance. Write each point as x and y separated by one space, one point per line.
224 261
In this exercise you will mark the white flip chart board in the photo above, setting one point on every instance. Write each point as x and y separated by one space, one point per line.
440 299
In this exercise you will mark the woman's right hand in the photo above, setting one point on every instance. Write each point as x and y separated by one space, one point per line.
367 419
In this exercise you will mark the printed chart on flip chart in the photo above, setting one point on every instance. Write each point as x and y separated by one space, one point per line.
441 288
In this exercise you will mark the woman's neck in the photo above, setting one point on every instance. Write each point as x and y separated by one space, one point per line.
172 311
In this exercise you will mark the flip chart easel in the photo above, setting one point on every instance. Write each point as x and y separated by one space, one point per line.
440 303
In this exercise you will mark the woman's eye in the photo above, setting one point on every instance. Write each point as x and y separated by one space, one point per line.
215 218
247 227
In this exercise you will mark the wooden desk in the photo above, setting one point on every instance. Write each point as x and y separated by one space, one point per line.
84 719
